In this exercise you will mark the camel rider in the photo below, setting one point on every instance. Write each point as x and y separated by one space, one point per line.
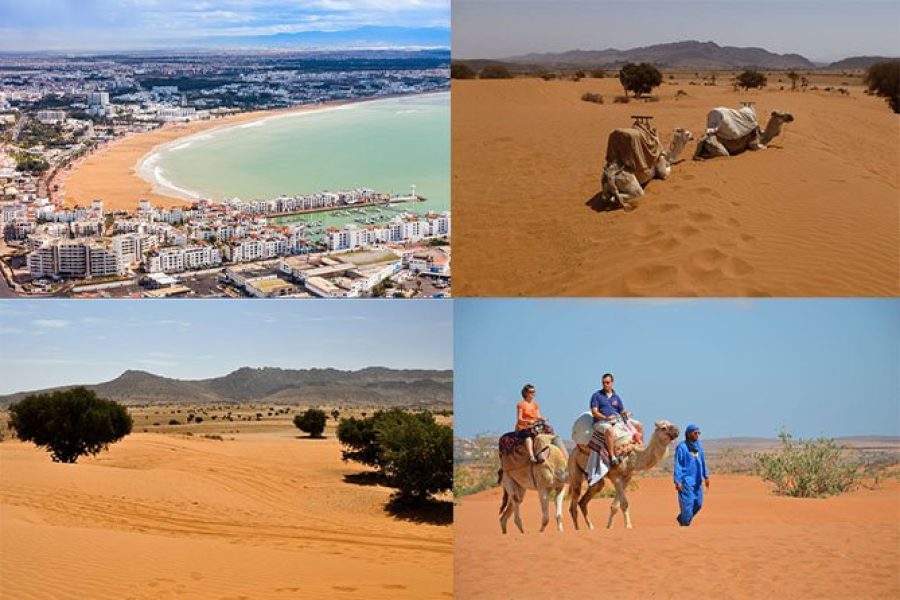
527 415
690 471
607 408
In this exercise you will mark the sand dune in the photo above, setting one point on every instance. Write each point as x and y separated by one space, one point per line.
816 215
262 516
745 543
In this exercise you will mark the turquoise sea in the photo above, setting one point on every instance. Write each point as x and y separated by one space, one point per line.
386 145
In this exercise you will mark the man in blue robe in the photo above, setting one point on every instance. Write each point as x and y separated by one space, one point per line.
690 475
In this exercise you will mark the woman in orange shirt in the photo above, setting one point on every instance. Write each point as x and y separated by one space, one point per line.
527 414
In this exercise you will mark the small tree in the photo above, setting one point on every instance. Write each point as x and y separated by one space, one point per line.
495 72
335 414
417 456
461 71
640 79
794 77
807 469
412 452
884 79
311 422
70 423
751 79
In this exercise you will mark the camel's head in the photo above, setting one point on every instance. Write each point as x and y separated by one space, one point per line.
785 117
608 180
684 135
668 431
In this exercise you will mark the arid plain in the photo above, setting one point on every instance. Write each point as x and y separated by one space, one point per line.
262 512
814 215
746 542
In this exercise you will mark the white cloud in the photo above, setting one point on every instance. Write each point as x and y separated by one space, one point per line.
51 323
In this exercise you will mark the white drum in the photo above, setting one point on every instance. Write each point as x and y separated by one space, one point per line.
583 428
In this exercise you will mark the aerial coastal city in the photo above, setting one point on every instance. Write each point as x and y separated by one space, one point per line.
59 112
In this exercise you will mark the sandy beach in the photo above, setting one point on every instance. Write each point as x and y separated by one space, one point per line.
815 215
745 542
262 515
110 173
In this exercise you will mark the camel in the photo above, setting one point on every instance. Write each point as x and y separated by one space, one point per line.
641 459
634 157
732 131
517 474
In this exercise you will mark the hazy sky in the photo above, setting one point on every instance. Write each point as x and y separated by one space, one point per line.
59 342
735 368
817 29
135 24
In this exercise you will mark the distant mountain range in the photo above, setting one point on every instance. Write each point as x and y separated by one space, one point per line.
682 55
362 37
370 387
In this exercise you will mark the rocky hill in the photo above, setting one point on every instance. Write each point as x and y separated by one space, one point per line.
676 55
373 386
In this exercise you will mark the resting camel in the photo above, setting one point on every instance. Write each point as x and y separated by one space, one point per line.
732 131
634 156
517 474
641 459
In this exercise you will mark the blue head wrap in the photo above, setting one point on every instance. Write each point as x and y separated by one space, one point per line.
693 445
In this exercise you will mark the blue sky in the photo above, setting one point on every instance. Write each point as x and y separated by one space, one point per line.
734 367
59 342
139 24
823 30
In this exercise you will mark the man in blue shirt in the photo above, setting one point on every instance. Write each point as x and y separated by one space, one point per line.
690 473
607 408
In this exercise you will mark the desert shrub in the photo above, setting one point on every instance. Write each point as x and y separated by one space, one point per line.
495 72
621 100
156 424
461 71
70 423
751 79
884 80
198 420
174 422
598 73
311 422
639 79
591 97
214 436
413 453
807 468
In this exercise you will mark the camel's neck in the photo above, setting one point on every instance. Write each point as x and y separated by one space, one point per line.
649 457
675 148
773 129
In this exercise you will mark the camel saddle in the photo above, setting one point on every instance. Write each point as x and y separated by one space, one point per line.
514 455
636 148
732 123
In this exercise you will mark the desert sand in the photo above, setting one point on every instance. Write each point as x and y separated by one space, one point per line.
256 515
814 215
110 173
745 543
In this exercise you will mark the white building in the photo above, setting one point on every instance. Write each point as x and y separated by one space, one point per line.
51 117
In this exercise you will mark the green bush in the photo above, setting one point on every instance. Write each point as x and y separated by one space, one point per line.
751 79
591 97
639 79
495 72
311 422
808 468
70 423
460 71
412 452
884 79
